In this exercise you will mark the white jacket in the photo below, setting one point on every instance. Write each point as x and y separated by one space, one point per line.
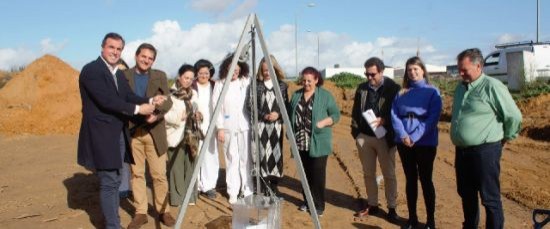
175 126
232 116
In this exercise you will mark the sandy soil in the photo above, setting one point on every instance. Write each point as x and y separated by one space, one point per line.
41 186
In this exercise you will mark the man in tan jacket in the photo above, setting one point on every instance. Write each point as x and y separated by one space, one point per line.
149 138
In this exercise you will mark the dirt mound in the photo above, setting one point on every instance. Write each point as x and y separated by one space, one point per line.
42 99
536 121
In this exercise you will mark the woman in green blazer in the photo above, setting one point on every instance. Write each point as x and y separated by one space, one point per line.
313 111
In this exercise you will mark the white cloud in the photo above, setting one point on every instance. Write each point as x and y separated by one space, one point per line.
507 38
48 47
178 45
11 58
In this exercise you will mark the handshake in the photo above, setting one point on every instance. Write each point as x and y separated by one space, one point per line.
150 108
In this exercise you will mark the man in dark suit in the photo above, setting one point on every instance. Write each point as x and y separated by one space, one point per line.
149 141
107 103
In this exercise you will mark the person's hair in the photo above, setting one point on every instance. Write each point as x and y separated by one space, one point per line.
413 61
114 36
278 70
224 67
185 68
202 63
123 63
375 61
147 46
474 54
316 74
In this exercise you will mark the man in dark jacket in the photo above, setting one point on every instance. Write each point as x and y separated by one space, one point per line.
376 94
107 103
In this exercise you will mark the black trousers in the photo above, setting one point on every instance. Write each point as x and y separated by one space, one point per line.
477 171
315 169
418 163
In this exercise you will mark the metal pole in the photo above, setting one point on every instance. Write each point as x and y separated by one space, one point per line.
537 21
296 41
254 93
318 52
211 127
289 133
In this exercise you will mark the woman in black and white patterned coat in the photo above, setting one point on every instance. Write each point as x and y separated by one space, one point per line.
270 124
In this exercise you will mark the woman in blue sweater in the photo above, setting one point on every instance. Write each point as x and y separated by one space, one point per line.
415 113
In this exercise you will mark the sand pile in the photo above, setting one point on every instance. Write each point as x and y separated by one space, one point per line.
42 99
536 117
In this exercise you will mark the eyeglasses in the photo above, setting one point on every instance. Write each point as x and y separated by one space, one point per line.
371 75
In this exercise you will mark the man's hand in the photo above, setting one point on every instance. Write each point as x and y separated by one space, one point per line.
158 100
378 122
146 109
152 118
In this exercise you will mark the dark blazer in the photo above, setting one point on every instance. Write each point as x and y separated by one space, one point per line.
388 93
157 85
105 113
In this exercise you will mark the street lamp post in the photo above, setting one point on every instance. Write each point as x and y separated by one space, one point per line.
310 5
318 49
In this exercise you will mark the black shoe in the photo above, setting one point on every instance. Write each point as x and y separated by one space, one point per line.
392 215
411 224
429 225
303 207
210 194
320 213
369 210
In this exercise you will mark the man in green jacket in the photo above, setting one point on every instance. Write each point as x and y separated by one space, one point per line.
484 118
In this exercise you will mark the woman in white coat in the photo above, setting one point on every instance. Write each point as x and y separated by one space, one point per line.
233 129
204 85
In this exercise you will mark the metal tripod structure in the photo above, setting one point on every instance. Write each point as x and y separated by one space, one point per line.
253 26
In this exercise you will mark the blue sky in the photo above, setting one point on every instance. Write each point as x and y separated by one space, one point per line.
348 31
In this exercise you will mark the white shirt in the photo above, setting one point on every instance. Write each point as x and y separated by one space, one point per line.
204 98
232 116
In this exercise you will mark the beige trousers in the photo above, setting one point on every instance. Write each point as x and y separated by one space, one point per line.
143 149
371 148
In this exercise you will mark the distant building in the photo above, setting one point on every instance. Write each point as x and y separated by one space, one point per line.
434 71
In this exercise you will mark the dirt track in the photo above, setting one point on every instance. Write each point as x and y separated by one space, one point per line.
42 187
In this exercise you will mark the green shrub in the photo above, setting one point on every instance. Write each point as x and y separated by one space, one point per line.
532 89
446 85
346 80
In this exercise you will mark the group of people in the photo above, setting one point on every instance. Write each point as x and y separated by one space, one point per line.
484 118
132 117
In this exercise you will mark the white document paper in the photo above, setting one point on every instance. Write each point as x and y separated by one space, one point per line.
379 131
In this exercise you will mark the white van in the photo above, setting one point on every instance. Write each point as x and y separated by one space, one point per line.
497 66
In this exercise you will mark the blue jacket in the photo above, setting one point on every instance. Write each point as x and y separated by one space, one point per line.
416 112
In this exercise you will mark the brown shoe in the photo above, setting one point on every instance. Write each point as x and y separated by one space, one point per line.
369 210
138 221
167 219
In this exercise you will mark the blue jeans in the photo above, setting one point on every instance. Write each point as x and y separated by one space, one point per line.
109 181
477 171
